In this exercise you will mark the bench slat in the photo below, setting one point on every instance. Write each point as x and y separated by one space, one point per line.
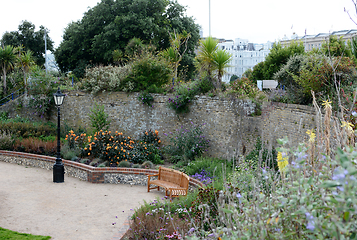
173 181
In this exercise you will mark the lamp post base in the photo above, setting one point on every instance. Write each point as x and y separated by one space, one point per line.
58 172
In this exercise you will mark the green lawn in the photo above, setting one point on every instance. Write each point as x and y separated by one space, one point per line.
6 234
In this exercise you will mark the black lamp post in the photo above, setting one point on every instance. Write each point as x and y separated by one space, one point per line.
58 168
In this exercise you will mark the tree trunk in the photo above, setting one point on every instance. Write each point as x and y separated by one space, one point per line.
4 78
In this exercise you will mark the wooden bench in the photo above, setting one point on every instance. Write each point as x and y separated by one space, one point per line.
174 182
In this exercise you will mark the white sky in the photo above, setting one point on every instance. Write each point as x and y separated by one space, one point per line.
258 21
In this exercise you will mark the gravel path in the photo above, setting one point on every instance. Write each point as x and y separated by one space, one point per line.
31 203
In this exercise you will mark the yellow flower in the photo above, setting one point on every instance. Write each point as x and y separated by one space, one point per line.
348 126
282 161
312 135
326 103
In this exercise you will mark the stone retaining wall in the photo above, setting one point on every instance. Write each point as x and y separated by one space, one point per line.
228 121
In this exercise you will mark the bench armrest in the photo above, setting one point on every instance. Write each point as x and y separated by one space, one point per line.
153 175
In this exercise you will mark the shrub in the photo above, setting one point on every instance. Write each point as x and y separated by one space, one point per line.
147 70
99 118
27 129
40 89
115 148
146 98
262 157
124 164
6 141
209 170
75 141
243 88
36 146
105 78
184 94
186 144
70 153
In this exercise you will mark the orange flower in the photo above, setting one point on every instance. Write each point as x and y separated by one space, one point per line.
159 141
88 154
156 132
65 139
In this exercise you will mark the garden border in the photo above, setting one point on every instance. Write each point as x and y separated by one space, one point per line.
117 175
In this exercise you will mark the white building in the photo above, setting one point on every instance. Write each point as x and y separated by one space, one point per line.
245 55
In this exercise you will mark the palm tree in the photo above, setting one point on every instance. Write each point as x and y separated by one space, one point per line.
26 60
211 59
205 55
221 59
7 61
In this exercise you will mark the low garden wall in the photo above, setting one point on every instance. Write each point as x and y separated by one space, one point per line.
230 124
132 176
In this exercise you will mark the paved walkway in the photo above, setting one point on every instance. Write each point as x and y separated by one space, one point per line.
31 203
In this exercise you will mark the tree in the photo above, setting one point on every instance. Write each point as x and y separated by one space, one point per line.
258 72
233 78
174 53
29 39
7 61
110 25
211 59
26 61
221 59
205 53
334 47
277 57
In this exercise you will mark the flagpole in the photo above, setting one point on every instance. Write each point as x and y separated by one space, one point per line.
45 51
210 18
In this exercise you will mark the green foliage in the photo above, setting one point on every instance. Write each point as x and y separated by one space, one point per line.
115 148
320 74
213 168
233 78
30 40
244 88
27 129
204 85
262 157
211 59
108 78
184 93
41 89
110 25
186 144
7 62
69 153
99 118
285 78
4 116
148 70
6 141
277 57
8 234
335 47
146 98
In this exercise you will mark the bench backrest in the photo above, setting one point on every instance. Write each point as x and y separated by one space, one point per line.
173 176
